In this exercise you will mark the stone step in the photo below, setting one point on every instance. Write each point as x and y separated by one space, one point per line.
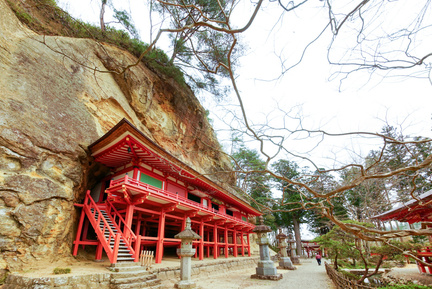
136 286
131 278
125 258
125 266
139 272
151 284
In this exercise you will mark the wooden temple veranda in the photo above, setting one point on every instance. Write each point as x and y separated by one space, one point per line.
418 210
146 199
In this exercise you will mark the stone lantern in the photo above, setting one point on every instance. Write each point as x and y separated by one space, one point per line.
186 252
294 258
265 269
285 261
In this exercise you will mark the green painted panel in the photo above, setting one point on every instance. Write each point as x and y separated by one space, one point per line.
244 219
151 181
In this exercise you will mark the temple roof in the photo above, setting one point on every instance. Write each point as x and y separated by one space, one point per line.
413 211
125 143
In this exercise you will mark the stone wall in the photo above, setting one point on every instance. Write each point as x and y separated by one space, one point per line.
168 275
94 281
171 275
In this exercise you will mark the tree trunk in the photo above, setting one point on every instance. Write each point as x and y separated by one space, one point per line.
297 236
102 12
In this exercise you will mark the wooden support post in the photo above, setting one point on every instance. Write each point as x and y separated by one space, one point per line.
135 173
99 250
201 244
138 225
78 235
215 240
137 248
208 246
160 240
183 224
128 219
235 242
143 231
248 244
226 241
242 243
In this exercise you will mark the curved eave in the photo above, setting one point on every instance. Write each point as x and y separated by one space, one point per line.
124 142
412 212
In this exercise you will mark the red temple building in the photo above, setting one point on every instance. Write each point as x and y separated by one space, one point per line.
146 199
310 247
415 211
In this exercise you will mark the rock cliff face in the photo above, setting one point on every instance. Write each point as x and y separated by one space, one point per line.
53 104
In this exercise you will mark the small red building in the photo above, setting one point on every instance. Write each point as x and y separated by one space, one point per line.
414 211
146 199
310 247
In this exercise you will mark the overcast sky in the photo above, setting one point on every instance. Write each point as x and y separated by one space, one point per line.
360 103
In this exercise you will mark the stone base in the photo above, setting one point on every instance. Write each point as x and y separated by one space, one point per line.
285 263
267 277
295 260
266 271
286 267
185 285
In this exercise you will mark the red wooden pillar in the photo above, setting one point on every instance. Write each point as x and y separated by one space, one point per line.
248 244
242 243
78 236
184 224
235 242
143 230
208 245
135 172
226 241
128 219
201 244
160 240
99 250
215 240
138 226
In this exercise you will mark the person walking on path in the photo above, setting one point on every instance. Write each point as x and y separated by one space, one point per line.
318 258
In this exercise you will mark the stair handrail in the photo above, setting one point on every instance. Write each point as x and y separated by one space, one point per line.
89 204
131 237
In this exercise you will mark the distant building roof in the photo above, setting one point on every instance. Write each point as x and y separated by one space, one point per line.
413 211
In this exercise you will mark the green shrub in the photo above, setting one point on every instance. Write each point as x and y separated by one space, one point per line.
350 275
156 59
61 270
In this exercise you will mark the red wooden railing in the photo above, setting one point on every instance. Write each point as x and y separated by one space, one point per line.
158 192
101 225
425 254
128 235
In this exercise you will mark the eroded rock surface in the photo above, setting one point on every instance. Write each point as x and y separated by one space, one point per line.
54 102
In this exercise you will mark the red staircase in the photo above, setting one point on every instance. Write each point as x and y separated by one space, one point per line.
112 232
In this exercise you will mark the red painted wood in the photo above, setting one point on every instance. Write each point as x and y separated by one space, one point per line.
201 244
137 248
242 244
160 240
235 243
248 244
215 240
226 242
99 250
79 231
115 249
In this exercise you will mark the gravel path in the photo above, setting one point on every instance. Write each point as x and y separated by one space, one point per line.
307 276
